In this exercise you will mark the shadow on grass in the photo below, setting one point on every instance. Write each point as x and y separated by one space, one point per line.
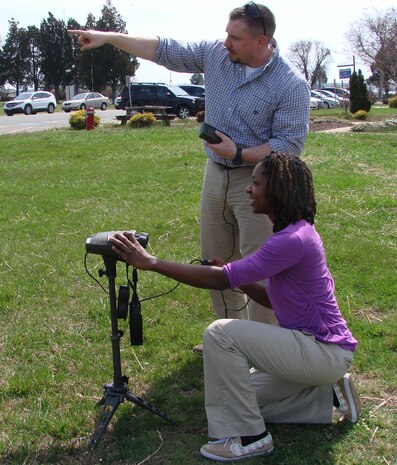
136 435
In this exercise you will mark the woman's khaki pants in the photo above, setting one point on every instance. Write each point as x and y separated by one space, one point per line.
255 372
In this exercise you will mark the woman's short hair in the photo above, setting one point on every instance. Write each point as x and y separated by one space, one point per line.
289 187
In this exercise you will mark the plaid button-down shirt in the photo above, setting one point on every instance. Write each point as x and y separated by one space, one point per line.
272 104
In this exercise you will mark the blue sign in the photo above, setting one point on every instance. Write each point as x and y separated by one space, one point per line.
345 73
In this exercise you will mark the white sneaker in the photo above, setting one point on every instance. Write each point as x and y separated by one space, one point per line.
198 349
349 401
231 449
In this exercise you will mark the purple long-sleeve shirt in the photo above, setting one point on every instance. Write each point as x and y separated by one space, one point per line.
299 284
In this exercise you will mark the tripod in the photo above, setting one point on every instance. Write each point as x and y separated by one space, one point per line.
114 394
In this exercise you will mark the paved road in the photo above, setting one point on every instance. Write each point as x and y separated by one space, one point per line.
41 121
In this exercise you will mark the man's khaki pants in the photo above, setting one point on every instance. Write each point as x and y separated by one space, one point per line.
256 372
229 231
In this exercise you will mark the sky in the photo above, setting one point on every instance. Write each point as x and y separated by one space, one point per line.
327 22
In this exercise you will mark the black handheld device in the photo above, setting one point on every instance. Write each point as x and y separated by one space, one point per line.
99 243
207 132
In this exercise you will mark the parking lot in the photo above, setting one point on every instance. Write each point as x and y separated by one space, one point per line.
42 121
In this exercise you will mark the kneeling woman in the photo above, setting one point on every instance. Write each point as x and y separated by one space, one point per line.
255 372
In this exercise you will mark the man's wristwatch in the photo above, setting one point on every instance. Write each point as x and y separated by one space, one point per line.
238 159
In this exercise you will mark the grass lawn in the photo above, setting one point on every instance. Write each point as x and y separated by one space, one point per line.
60 186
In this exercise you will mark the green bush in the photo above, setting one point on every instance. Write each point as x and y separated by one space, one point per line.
359 97
142 120
360 114
77 120
393 102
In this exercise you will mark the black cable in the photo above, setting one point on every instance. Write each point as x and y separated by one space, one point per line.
130 282
196 260
91 276
224 215
160 295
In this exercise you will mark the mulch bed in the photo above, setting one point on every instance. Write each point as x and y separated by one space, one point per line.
324 124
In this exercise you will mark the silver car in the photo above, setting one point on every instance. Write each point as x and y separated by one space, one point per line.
315 103
337 100
117 103
85 100
30 103
326 101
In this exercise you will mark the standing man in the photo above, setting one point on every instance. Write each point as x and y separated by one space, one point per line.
258 105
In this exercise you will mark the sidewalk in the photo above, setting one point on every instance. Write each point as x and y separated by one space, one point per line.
343 129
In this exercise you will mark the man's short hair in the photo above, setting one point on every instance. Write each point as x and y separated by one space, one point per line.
256 24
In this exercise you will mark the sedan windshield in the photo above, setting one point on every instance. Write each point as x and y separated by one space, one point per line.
79 97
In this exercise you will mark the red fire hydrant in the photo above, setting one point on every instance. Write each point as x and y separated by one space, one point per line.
89 118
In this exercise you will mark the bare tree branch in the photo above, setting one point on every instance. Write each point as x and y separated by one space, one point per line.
374 40
310 58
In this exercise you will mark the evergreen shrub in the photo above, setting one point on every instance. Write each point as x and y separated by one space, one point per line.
359 96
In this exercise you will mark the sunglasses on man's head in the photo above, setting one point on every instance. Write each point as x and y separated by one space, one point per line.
252 9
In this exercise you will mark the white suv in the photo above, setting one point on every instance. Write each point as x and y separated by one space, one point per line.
30 103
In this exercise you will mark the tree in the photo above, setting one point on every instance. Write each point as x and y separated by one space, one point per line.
14 57
72 53
3 68
374 40
54 41
107 66
310 58
197 79
34 56
359 97
86 60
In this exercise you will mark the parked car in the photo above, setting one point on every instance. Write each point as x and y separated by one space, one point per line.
326 101
194 89
158 94
339 91
337 100
315 103
117 103
30 103
85 100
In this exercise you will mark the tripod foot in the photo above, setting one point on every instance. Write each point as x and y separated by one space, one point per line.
142 403
111 399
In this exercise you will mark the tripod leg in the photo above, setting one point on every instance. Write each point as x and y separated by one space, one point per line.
142 403
112 398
